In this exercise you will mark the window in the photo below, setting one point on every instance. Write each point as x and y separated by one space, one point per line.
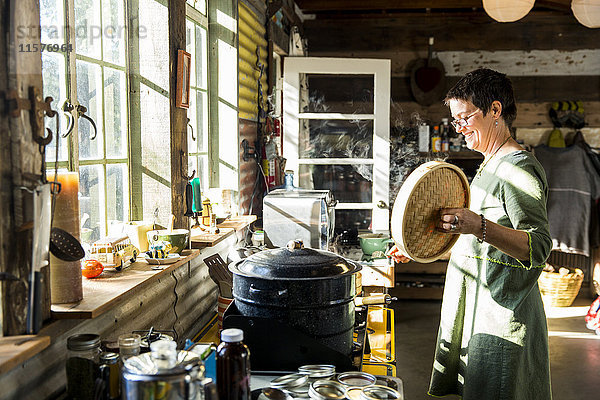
93 74
118 70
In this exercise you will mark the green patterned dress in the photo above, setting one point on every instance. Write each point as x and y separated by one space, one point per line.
493 337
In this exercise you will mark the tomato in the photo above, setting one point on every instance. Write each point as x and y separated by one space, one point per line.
91 268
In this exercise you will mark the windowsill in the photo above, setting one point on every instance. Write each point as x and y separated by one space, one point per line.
15 350
102 293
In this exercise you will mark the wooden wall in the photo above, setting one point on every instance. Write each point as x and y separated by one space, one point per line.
548 57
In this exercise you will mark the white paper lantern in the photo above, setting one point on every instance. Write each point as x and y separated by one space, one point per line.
507 10
587 12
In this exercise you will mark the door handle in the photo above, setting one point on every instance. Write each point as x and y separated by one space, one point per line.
382 204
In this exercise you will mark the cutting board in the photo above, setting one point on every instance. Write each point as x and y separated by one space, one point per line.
201 239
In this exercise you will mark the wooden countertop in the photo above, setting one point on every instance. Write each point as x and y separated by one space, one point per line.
15 350
227 228
100 294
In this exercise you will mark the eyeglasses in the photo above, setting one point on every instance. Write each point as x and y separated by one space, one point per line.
462 122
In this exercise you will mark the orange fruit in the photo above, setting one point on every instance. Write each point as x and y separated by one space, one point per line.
91 268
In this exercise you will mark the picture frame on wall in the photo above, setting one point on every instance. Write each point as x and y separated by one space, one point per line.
184 63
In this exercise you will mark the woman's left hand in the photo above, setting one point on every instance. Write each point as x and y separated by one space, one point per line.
459 220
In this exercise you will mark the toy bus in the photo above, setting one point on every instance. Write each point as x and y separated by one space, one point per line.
114 252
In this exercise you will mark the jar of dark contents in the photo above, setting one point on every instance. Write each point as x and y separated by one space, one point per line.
82 365
110 371
233 366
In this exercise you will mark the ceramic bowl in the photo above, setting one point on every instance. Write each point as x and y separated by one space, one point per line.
177 237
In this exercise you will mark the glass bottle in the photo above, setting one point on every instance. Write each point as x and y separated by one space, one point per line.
111 375
129 345
233 366
82 365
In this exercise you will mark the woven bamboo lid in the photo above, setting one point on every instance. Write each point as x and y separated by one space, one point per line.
432 186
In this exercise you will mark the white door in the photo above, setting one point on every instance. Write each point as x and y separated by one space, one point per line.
336 121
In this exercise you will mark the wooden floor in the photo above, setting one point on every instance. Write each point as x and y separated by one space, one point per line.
574 349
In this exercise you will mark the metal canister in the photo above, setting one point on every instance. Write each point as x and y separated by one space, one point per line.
144 378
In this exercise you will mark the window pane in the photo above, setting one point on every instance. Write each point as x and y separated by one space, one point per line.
201 127
190 47
53 76
117 192
113 31
91 200
115 113
88 29
52 21
89 94
337 93
321 138
352 219
349 183
201 57
199 5
227 73
228 135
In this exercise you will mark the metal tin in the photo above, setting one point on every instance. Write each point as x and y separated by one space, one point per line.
289 381
327 390
379 392
318 371
354 393
355 378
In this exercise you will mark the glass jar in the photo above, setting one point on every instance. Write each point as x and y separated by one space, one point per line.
164 353
129 345
233 366
111 375
82 365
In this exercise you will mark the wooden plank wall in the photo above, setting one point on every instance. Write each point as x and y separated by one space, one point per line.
19 159
548 57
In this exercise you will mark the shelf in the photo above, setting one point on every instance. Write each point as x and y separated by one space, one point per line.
227 228
101 294
14 350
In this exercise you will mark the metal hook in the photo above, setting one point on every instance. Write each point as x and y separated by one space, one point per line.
93 126
192 129
81 110
184 176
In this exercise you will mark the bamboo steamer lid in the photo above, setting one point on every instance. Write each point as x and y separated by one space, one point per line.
430 187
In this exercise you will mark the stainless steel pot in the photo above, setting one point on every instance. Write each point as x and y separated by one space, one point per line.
145 379
310 290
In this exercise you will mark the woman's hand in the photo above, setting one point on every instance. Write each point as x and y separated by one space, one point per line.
459 220
395 254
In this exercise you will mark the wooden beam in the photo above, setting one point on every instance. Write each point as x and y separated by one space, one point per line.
178 120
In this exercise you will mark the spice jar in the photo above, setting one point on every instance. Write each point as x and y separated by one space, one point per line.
233 366
82 365
111 375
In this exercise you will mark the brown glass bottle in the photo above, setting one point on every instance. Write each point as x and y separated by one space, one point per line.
233 366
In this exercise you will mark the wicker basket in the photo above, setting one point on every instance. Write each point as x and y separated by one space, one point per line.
560 289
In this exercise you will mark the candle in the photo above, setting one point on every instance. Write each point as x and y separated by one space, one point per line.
65 276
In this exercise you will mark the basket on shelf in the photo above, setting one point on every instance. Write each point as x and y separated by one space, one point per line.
559 289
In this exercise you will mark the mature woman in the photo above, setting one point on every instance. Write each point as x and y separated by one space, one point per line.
493 339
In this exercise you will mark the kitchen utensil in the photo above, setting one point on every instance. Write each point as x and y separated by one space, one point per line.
429 188
310 290
372 242
189 200
42 211
218 272
65 246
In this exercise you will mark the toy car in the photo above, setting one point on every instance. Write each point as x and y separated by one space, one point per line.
114 252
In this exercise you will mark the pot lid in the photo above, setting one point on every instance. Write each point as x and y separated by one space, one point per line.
144 367
294 262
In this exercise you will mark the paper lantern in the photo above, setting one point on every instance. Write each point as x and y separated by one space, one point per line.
507 10
587 12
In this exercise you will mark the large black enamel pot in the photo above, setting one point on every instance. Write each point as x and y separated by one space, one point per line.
310 290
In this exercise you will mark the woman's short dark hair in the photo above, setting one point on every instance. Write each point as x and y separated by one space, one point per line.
484 86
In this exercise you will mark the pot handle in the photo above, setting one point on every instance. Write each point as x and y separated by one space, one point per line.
268 293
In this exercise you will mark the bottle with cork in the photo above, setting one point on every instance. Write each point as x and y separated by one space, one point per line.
233 366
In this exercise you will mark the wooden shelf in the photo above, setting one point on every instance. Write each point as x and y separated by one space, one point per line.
14 350
227 228
100 294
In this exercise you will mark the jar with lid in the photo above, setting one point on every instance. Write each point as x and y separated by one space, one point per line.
233 366
82 365
110 371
